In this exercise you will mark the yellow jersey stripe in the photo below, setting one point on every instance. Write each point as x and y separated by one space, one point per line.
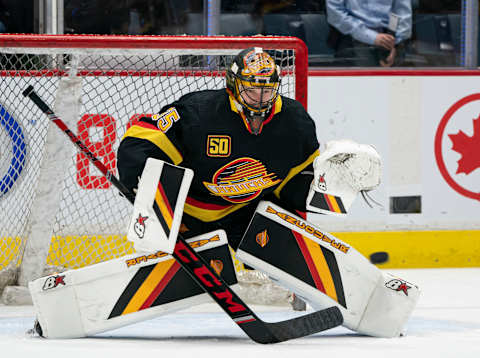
294 171
207 215
158 138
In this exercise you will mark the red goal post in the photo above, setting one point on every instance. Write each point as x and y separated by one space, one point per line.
57 210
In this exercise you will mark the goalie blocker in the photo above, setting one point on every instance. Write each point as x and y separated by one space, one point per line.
119 292
325 271
158 206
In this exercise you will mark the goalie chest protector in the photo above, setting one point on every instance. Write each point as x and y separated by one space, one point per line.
232 166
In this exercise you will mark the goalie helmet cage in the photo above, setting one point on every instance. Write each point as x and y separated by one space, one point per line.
57 209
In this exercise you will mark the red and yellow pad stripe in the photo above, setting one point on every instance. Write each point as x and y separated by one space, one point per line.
167 194
145 287
328 202
164 212
323 268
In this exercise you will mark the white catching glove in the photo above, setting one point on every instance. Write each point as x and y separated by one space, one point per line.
343 170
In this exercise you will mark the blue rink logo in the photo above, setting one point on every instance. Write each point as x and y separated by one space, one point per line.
13 153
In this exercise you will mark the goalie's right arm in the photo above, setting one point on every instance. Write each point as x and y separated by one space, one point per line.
144 140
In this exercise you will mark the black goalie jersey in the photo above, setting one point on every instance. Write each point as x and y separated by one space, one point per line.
233 168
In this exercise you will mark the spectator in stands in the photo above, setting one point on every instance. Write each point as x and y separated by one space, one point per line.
369 33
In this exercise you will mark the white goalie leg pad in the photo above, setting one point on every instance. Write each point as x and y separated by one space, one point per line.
119 292
340 173
389 307
326 271
158 207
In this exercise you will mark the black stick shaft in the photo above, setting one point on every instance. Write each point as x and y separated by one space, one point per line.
29 92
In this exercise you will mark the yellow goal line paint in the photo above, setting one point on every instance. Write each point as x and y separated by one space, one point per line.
406 249
419 249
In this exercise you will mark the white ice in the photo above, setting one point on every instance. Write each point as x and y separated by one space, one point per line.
446 323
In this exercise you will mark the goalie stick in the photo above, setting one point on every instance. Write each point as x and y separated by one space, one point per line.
258 330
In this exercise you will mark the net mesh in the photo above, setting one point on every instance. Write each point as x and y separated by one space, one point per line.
117 86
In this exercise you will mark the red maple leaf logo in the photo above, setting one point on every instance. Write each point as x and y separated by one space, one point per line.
468 147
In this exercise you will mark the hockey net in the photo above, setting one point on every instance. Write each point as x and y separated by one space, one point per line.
57 211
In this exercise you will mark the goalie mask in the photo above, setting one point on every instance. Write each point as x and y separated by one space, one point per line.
253 80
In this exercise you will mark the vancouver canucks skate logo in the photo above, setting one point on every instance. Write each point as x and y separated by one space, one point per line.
139 226
241 180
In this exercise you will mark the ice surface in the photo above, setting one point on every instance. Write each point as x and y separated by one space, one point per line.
446 323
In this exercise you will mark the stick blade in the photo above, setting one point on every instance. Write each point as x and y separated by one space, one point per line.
275 332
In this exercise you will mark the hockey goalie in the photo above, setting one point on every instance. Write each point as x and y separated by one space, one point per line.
232 167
